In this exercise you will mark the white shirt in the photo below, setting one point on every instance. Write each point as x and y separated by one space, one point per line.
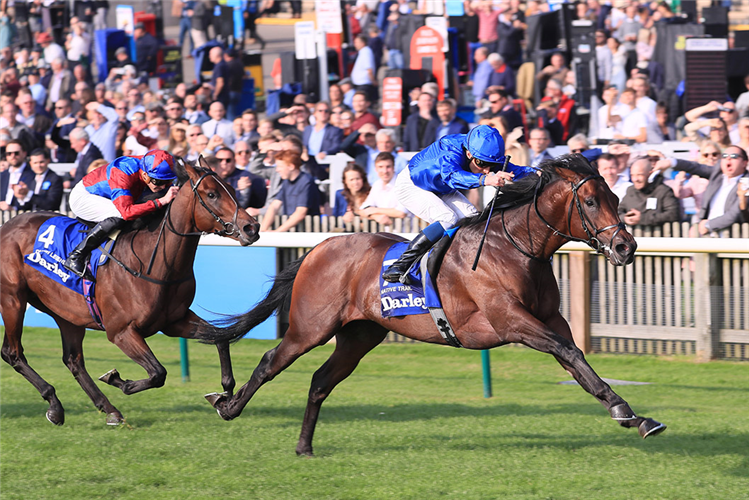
79 46
632 121
221 128
604 131
52 52
620 187
39 181
718 202
383 196
135 148
364 61
13 179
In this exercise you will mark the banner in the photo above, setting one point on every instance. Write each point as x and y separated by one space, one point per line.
426 53
392 101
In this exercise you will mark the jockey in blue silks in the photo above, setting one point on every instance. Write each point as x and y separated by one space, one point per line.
429 186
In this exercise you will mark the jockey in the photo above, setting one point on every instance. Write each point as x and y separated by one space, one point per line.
429 186
108 195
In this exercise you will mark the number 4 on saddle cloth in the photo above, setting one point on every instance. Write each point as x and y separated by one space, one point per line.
421 297
56 238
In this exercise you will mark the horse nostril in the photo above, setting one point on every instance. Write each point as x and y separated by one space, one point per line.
251 229
622 249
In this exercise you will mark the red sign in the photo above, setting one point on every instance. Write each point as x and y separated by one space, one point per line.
427 43
392 101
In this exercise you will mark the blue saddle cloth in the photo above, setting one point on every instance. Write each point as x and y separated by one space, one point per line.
397 299
56 238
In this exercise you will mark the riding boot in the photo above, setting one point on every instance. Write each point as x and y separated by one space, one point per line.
398 271
77 261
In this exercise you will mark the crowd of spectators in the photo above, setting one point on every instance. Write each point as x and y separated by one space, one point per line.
52 111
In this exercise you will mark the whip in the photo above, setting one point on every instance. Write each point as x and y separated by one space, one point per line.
489 217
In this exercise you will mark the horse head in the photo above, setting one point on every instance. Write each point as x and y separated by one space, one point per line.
591 216
216 210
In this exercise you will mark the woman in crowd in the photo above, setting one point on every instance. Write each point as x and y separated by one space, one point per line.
355 190
178 140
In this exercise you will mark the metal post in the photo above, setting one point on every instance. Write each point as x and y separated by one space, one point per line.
184 360
487 369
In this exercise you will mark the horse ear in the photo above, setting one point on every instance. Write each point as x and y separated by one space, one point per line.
203 163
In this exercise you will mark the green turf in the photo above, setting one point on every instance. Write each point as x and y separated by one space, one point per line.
410 423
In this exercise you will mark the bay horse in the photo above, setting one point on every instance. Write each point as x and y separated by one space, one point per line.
511 297
133 304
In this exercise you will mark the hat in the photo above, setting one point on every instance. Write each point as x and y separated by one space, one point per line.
486 144
345 81
152 106
120 50
139 26
43 37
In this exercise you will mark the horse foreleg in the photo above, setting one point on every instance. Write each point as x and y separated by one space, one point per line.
135 347
556 339
72 356
13 307
352 344
186 328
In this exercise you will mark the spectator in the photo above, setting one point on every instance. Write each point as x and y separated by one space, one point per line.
61 84
666 127
250 188
51 50
449 123
348 90
249 126
627 31
87 153
641 86
375 43
15 181
547 119
242 156
502 76
218 125
716 130
556 70
46 187
58 142
38 91
78 44
382 204
199 22
321 139
364 70
336 96
364 154
607 167
298 196
18 131
393 42
193 131
103 128
421 128
720 203
356 188
630 122
177 139
264 164
488 22
219 77
565 107
146 49
690 188
742 191
744 133
482 76
539 141
510 34
345 122
132 147
253 10
604 59
193 112
500 105
727 112
742 103
31 114
619 64
122 58
175 110
647 202
385 143
362 115
135 103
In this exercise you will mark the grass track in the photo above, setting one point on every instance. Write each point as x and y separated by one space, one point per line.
410 423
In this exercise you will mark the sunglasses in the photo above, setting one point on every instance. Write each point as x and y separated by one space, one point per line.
63 107
12 153
494 102
714 154
225 160
578 150
159 182
734 156
118 108
483 163
242 152
323 111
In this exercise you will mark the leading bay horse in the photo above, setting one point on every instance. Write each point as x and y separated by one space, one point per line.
511 297
133 306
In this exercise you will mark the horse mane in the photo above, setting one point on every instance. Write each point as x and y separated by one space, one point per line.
522 192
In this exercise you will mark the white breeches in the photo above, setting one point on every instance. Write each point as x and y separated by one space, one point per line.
91 207
447 209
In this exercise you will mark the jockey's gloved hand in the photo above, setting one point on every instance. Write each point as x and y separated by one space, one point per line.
169 196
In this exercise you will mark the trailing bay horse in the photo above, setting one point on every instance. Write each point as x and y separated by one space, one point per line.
134 304
511 297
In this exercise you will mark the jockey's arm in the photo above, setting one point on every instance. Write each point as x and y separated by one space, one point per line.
122 197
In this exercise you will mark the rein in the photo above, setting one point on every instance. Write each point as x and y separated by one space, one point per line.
592 241
229 229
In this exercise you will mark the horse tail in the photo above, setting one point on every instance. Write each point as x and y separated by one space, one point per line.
233 328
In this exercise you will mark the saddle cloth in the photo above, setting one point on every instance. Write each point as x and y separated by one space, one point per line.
56 238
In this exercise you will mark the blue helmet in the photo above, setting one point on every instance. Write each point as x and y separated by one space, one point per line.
159 165
486 144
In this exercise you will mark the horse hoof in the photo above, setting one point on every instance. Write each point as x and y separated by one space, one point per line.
307 452
109 376
622 413
650 427
55 417
115 419
216 397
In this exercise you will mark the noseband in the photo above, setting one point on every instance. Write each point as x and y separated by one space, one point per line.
589 227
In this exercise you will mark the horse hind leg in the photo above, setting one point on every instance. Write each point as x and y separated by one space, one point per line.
72 356
353 342
13 303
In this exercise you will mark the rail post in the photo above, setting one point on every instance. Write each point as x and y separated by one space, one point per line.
580 299
706 313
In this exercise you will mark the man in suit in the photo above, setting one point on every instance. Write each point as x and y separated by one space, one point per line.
15 181
421 127
47 186
87 154
500 105
449 123
539 140
218 125
61 85
59 133
720 203
321 139
31 114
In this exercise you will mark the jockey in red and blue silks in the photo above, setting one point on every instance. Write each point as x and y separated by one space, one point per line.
429 187
109 196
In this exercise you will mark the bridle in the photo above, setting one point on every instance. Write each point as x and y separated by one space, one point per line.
589 227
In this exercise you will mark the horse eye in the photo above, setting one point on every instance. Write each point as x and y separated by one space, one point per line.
591 202
212 195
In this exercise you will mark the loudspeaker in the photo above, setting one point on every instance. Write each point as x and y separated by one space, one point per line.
308 74
716 21
288 68
741 39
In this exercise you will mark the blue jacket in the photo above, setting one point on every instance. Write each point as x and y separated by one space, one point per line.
331 139
443 167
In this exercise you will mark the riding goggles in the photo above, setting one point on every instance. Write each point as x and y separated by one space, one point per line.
159 182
